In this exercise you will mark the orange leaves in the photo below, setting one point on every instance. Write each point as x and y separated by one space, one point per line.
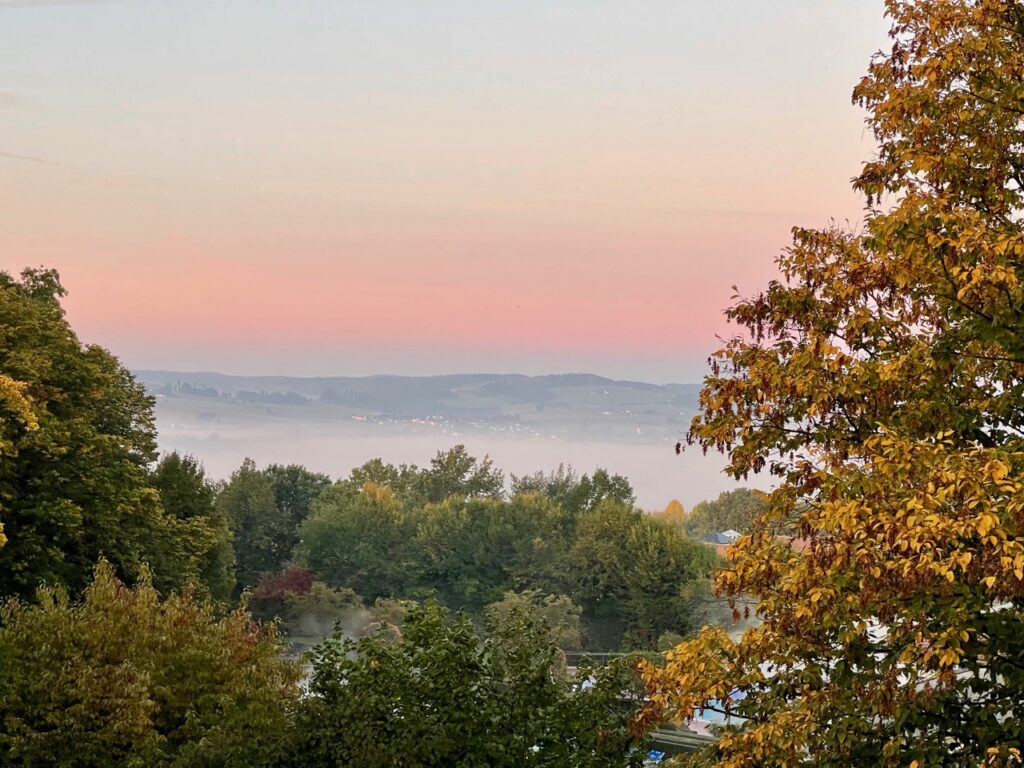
882 378
694 674
908 545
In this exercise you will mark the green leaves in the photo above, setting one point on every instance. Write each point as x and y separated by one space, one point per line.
437 695
198 535
125 678
736 510
75 436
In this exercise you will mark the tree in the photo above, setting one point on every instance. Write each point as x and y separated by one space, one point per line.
661 566
266 509
358 539
577 494
881 381
75 438
558 614
440 696
453 553
451 474
202 527
630 575
598 557
732 510
125 678
260 532
555 484
401 480
17 420
673 514
295 490
454 473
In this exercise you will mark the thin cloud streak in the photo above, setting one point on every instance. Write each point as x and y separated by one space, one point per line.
44 3
27 158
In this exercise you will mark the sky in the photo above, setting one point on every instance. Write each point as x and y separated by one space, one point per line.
348 188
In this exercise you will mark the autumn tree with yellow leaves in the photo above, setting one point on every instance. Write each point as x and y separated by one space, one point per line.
881 380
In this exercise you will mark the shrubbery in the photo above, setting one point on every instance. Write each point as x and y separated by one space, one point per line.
125 678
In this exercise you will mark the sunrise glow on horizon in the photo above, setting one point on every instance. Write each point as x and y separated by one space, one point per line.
354 188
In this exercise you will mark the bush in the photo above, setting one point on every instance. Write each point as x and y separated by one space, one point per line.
438 695
124 678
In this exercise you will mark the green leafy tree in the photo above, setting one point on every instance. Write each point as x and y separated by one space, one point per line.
555 484
17 419
662 566
599 558
202 527
76 437
402 480
454 473
359 539
266 509
558 614
474 550
451 551
438 695
451 474
295 490
125 678
732 510
632 575
537 534
260 533
184 490
577 494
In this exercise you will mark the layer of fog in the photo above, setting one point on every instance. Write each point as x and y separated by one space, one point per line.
657 474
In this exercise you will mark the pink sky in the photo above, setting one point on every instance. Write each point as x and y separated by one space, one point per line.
255 189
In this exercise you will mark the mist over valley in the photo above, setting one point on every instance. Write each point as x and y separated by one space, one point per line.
524 423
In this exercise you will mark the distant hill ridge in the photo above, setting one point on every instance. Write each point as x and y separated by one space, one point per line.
581 404
312 384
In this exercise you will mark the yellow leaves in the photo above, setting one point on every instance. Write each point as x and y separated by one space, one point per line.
1000 757
15 400
377 493
818 593
948 658
998 470
16 410
886 530
909 334
985 523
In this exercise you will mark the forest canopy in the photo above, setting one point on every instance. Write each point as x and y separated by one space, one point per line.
133 572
